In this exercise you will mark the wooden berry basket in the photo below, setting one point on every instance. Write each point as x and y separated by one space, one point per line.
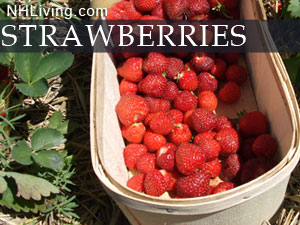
269 90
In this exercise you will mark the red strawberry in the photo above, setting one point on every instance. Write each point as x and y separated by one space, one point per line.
214 3
264 146
180 134
148 118
132 153
132 12
205 135
148 17
175 9
170 92
156 183
229 141
158 105
253 124
131 69
230 93
208 100
207 82
223 186
198 7
146 163
165 157
145 5
137 182
188 66
134 133
189 158
185 101
229 4
246 149
188 81
202 62
231 168
158 11
177 116
212 167
127 86
187 118
153 141
173 180
175 67
162 123
230 58
210 147
203 120
223 123
194 185
154 85
117 12
219 68
155 63
237 74
132 109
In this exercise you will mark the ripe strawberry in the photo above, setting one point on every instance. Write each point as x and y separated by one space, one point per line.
194 185
203 136
213 3
127 86
264 146
148 119
207 82
162 123
203 120
132 109
155 63
175 9
229 4
174 175
158 11
198 7
229 141
132 153
132 12
219 68
253 124
145 5
230 58
185 101
189 158
153 141
187 118
134 133
237 74
231 168
137 182
165 157
177 115
156 183
131 69
148 17
224 123
208 100
230 93
175 67
210 147
246 149
202 62
170 92
180 134
188 81
188 66
158 105
212 167
154 85
117 12
146 163
223 186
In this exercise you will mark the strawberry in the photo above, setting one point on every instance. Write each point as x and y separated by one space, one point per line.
134 133
154 85
237 74
207 82
229 4
145 5
203 120
132 153
223 186
202 62
231 168
137 182
189 158
170 92
155 63
224 123
246 149
158 105
162 123
158 11
175 9
175 67
127 86
230 58
146 163
188 81
264 146
210 147
253 124
156 183
212 167
203 136
198 7
229 141
177 115
148 118
165 157
194 185
153 141
219 68
174 175
132 12
214 3
208 100
117 12
132 109
187 118
230 93
131 69
185 101
180 134
188 66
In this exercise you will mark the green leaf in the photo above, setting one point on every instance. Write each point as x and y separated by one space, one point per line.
35 90
3 185
49 159
3 15
292 66
26 64
53 64
7 2
4 59
55 120
22 153
294 8
64 127
44 138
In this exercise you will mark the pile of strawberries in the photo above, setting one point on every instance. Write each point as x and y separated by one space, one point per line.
175 142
